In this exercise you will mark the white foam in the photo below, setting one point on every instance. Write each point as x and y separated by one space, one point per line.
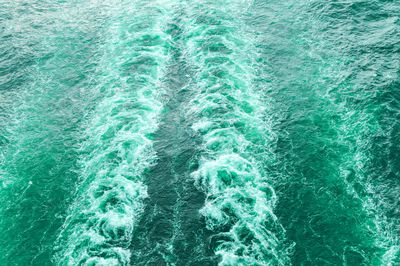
229 116
118 147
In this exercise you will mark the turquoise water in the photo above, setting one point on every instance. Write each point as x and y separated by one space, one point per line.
199 132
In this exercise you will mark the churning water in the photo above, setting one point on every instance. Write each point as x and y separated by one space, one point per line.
201 132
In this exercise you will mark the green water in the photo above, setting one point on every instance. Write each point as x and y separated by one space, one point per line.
199 132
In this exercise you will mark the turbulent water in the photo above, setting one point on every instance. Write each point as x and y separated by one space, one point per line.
202 132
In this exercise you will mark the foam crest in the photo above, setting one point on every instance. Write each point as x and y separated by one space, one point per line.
118 147
237 138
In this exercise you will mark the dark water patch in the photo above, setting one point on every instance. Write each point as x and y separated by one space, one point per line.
171 227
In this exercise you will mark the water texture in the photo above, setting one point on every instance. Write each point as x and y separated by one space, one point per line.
244 132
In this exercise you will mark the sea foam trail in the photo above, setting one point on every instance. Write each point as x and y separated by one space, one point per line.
118 148
230 118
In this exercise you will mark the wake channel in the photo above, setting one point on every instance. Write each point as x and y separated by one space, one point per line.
171 227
